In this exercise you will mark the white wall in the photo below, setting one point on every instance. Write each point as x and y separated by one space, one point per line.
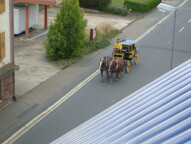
5 27
19 17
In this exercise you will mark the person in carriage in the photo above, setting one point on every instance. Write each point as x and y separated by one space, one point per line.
117 46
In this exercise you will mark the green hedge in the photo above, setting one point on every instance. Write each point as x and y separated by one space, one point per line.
117 11
98 45
95 4
88 3
143 7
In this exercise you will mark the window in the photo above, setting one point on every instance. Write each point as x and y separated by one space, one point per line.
2 45
2 6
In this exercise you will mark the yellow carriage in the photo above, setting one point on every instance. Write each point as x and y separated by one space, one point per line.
128 52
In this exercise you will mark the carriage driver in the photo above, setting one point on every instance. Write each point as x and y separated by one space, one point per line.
118 45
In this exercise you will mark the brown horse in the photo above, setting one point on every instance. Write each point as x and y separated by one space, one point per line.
104 66
116 65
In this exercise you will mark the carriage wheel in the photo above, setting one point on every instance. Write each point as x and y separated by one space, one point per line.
128 66
136 57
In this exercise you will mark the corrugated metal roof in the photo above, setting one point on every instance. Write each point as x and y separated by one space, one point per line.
160 112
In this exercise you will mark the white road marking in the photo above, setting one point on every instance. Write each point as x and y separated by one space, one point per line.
37 119
181 29
189 21
182 4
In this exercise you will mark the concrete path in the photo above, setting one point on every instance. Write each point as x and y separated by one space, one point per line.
39 79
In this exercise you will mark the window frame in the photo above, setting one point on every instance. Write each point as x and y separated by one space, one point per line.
2 6
2 45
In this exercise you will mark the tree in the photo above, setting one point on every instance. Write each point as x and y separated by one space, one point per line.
67 34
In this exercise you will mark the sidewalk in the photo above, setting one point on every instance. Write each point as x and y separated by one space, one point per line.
33 97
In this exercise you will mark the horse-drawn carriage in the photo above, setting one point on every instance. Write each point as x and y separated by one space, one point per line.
128 52
121 58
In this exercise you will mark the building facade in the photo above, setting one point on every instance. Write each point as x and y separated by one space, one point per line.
7 66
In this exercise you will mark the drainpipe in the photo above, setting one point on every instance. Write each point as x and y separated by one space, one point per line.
11 19
27 21
45 17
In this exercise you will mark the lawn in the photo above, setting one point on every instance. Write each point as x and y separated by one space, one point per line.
119 3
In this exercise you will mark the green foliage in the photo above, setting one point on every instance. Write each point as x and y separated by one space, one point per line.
64 63
98 45
102 36
95 4
89 3
67 34
144 6
41 8
116 7
117 3
117 11
103 3
108 33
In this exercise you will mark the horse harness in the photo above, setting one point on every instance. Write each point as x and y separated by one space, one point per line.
104 65
118 63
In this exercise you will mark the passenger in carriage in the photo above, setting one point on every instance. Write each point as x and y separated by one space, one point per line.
117 46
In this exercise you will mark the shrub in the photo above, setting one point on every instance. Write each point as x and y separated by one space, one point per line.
144 7
95 4
41 8
67 35
96 45
103 3
105 30
117 11
89 3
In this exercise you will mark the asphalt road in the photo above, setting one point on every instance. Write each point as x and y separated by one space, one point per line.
160 40
94 97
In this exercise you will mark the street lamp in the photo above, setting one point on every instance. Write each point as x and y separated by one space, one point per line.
164 8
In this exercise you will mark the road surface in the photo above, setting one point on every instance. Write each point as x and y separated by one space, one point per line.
94 97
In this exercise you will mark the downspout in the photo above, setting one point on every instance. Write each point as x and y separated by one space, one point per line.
45 17
12 52
11 20
26 21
